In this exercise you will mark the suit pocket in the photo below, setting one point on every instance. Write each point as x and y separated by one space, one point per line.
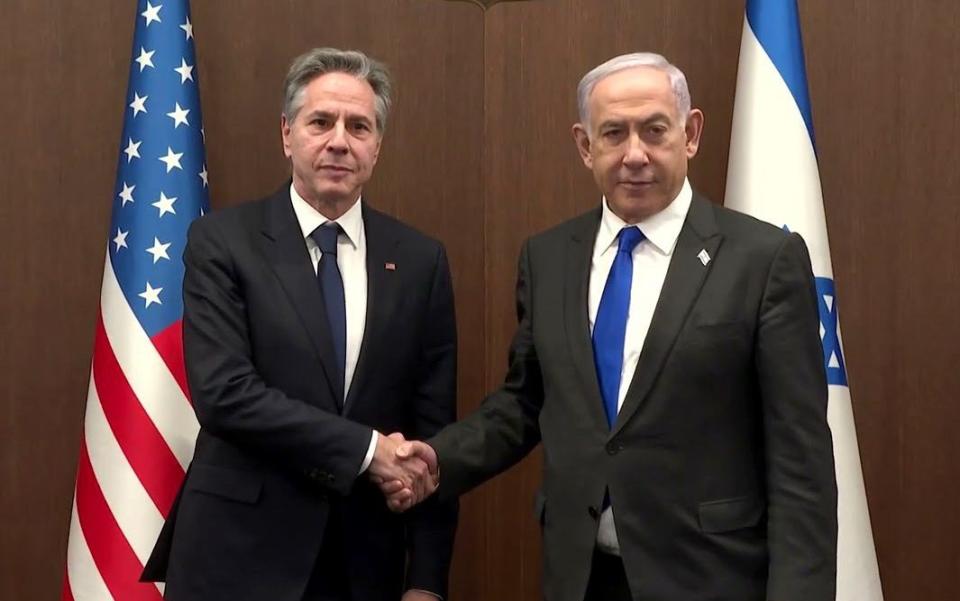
235 485
727 515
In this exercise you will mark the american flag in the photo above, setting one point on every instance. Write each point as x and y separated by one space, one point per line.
139 428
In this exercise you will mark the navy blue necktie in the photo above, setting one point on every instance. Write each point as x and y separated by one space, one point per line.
331 285
610 325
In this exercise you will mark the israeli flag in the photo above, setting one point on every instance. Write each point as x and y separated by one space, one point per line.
772 175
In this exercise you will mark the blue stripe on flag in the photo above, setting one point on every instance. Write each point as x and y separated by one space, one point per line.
776 24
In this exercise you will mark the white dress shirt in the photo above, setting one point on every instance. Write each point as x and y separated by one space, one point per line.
651 258
352 261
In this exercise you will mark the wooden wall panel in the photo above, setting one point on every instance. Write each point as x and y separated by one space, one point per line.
885 83
61 102
478 153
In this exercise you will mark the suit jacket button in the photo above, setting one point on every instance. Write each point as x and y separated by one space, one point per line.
593 511
614 447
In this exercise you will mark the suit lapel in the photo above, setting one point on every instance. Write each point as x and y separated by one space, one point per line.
287 254
685 277
579 254
381 295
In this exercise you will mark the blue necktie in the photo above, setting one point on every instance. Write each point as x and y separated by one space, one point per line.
331 285
610 326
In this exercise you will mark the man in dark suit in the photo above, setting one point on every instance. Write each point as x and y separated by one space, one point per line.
313 326
668 358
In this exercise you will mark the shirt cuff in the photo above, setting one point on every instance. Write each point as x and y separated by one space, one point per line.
374 438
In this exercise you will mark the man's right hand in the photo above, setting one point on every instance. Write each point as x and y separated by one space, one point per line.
399 498
405 477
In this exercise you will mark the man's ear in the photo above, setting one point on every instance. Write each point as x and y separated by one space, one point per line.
285 135
582 139
376 152
693 129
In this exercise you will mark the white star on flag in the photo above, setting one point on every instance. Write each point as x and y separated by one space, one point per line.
158 250
179 116
121 239
132 150
165 204
126 195
152 13
187 28
138 440
203 176
185 71
145 59
172 159
151 295
139 104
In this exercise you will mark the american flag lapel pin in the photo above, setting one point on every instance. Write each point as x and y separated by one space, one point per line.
390 266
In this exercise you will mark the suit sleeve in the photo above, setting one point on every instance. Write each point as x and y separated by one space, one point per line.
231 400
432 525
801 482
505 427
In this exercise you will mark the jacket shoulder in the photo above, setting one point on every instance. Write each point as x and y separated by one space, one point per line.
246 215
747 231
407 235
584 225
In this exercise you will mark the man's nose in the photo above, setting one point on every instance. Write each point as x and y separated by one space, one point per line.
338 138
636 152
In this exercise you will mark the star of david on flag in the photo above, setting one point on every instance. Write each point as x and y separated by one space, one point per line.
829 333
773 175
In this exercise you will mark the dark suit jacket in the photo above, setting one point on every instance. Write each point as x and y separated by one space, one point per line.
275 459
720 465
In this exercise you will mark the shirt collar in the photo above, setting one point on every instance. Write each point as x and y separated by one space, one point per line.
662 228
310 219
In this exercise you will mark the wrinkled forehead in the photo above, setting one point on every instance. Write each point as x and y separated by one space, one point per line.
635 83
341 86
638 92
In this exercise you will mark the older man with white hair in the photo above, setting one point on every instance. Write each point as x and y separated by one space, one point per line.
668 357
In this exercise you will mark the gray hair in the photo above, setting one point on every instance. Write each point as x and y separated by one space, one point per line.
678 81
320 61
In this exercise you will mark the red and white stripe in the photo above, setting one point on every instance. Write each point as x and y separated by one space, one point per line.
138 438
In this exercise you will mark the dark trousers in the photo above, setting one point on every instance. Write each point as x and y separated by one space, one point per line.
608 580
329 580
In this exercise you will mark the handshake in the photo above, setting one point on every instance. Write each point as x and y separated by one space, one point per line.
406 471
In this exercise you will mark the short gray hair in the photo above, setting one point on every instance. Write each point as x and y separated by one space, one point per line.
678 81
320 61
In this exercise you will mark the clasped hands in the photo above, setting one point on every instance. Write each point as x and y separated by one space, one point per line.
406 471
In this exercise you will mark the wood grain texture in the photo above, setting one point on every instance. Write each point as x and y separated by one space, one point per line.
479 154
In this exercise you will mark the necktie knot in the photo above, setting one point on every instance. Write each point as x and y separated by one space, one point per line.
629 238
326 237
